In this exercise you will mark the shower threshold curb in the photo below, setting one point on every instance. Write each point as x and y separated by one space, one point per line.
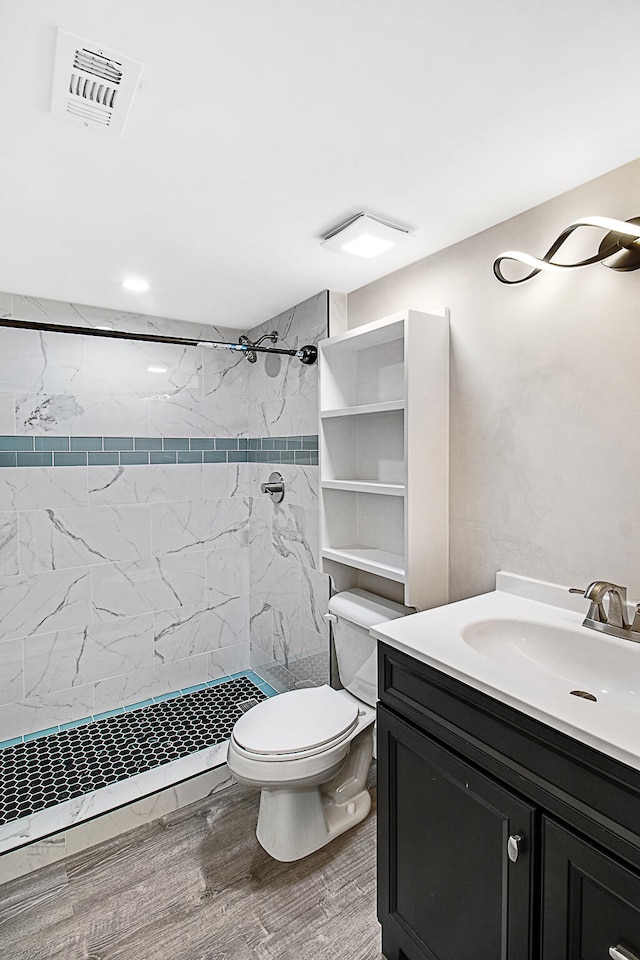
44 836
69 813
53 834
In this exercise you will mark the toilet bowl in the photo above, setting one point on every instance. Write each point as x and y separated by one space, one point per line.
309 751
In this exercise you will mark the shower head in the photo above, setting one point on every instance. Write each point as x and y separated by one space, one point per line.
249 352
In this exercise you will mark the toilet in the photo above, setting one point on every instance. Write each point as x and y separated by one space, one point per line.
309 751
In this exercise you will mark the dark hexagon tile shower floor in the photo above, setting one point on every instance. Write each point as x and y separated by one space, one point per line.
44 772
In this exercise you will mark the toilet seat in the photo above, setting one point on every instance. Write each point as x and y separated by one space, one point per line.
295 725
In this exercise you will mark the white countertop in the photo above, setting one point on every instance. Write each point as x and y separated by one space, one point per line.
536 674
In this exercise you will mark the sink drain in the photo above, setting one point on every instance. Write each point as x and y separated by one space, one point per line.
584 695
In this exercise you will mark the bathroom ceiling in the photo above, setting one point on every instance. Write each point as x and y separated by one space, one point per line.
260 124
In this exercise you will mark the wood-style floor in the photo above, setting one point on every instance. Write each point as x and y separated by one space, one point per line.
196 885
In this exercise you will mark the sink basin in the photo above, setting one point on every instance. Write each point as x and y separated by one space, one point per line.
585 661
524 645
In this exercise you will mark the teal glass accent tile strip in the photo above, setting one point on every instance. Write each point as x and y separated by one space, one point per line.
175 443
85 443
34 459
65 459
103 459
117 443
147 443
51 443
134 458
142 451
246 674
16 443
194 688
76 723
40 733
139 705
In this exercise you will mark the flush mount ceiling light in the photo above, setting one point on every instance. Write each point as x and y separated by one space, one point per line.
621 243
365 236
135 284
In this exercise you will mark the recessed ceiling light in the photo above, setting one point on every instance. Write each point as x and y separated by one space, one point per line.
365 236
157 369
136 284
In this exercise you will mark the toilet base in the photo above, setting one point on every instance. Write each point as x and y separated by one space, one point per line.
294 822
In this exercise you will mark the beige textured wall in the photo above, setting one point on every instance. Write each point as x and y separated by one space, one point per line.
545 397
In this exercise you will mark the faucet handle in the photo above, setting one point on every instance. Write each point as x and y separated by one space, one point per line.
596 610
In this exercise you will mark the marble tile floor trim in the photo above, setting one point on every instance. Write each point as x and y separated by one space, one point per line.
50 784
67 451
119 819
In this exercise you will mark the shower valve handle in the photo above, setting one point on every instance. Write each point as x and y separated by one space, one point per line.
274 487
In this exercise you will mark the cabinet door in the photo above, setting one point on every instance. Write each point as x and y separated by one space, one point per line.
590 902
446 886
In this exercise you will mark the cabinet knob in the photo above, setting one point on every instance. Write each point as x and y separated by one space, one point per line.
621 953
513 847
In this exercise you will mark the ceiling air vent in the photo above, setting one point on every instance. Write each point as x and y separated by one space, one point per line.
92 85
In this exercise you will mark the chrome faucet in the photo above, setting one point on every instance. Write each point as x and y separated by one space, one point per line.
614 620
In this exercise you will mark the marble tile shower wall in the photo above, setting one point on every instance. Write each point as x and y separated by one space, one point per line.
118 583
288 594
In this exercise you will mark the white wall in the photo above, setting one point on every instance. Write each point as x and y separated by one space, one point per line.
545 397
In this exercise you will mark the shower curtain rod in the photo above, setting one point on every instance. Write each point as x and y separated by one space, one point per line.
307 354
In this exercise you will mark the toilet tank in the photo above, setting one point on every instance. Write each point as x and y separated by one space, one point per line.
356 650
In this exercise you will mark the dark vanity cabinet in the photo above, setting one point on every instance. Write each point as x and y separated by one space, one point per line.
499 838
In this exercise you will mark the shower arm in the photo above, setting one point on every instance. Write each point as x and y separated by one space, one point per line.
307 354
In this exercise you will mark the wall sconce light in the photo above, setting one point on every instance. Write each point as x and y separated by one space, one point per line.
622 243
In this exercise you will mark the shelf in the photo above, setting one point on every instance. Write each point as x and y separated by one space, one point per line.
365 486
363 409
389 565
361 338
383 452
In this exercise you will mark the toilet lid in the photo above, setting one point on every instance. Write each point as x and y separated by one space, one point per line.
296 721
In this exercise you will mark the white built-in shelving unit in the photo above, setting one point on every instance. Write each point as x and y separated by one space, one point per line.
384 448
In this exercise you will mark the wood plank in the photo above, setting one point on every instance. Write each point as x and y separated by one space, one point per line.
197 885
